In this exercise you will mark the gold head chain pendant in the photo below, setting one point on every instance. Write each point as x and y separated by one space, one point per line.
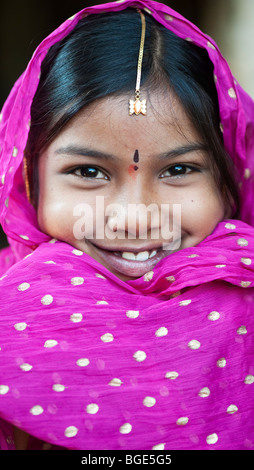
138 106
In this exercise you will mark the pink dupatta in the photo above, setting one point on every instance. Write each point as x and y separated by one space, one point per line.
88 361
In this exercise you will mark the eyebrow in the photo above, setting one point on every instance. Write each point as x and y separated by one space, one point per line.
84 152
71 150
183 149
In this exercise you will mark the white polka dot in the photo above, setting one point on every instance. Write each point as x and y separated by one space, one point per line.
249 379
182 421
115 382
26 367
107 338
83 362
36 410
246 261
92 409
71 431
132 313
77 281
204 392
101 302
24 237
77 252
76 317
242 242
125 428
247 173
209 44
220 266
4 389
170 278
168 17
232 409
221 362
194 344
185 302
58 388
23 286
245 283
148 276
139 356
159 446
171 375
242 330
100 276
213 316
47 299
149 401
50 343
231 93
49 262
212 439
161 331
15 152
20 326
230 226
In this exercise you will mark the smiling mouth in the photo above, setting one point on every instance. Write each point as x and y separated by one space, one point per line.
140 256
129 264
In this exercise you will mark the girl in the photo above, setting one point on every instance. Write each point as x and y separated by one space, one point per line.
123 329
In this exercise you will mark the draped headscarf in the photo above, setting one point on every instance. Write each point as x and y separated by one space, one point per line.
88 361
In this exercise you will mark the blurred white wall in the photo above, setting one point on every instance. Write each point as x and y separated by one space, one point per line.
231 24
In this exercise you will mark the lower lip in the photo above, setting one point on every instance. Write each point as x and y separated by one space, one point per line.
129 268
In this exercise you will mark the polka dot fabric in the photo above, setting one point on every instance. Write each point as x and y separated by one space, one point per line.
104 364
163 362
18 217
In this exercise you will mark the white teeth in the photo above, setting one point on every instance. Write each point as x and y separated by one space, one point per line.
141 256
128 255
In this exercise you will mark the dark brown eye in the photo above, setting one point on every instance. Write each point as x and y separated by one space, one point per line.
89 172
177 170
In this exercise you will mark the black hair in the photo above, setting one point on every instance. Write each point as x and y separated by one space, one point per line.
99 58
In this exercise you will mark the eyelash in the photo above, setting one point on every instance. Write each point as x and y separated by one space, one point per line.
181 172
87 167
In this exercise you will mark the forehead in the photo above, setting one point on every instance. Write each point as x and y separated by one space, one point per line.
106 123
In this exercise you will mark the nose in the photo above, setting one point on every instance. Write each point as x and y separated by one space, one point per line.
132 214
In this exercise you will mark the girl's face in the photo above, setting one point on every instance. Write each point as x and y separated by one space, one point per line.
112 185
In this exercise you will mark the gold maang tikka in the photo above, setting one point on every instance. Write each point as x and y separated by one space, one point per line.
138 106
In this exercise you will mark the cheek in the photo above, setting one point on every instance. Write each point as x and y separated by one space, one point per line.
67 218
203 211
53 215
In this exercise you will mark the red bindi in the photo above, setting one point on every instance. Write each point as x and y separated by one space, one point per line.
132 168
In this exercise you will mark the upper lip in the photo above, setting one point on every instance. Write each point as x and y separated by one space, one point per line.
129 249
